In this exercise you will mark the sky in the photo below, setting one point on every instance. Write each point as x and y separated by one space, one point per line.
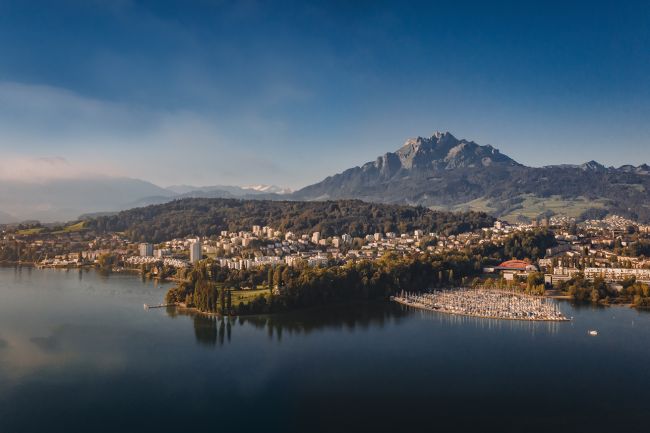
287 93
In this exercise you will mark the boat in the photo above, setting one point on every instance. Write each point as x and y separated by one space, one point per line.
593 332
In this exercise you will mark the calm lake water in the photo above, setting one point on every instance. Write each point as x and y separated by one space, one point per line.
79 354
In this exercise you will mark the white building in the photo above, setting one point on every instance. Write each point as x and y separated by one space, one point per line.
160 253
145 249
315 237
618 274
195 251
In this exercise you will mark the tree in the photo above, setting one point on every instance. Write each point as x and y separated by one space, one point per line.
269 279
222 299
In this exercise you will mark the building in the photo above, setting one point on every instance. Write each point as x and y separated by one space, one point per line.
618 274
315 237
145 249
511 268
195 251
160 253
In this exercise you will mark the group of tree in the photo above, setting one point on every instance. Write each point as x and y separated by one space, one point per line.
533 284
520 245
628 291
303 286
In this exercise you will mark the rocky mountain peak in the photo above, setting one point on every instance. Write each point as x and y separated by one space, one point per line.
593 166
444 151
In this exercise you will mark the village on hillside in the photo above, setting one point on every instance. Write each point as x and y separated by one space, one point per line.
614 249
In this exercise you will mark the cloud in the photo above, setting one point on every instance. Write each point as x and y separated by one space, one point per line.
42 169
48 132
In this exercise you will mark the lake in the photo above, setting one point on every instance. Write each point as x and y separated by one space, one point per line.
78 353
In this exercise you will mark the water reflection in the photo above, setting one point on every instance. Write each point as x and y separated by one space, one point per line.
445 319
212 330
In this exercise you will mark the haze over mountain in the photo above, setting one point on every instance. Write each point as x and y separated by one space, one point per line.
231 189
447 173
441 172
52 199
61 199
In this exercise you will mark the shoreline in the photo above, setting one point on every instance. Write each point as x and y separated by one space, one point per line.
94 267
135 271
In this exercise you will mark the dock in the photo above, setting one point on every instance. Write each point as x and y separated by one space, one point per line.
147 306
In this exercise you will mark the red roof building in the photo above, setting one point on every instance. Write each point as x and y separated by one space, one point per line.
516 265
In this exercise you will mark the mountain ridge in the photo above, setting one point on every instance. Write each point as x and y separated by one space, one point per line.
447 173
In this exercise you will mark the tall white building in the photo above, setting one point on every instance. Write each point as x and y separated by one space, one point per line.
145 249
315 237
195 251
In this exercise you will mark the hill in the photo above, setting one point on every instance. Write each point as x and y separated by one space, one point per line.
205 217
444 172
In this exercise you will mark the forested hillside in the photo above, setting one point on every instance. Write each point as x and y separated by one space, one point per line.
205 217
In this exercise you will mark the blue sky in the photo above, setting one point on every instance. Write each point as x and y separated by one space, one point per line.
281 92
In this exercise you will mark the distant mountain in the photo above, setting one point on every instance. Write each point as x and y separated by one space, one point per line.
267 189
259 192
447 173
66 199
228 190
6 218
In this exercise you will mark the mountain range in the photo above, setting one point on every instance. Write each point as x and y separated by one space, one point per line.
444 172
440 172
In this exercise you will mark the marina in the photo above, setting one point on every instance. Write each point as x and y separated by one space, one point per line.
493 304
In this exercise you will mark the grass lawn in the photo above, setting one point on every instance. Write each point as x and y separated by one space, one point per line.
531 206
72 228
247 296
34 231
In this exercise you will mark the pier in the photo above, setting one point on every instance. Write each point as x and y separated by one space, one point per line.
492 304
147 306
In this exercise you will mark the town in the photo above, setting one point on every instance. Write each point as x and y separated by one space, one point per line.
614 251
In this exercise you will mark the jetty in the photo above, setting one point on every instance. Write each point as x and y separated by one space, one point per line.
147 306
492 304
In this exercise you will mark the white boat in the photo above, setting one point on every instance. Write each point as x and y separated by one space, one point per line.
593 332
